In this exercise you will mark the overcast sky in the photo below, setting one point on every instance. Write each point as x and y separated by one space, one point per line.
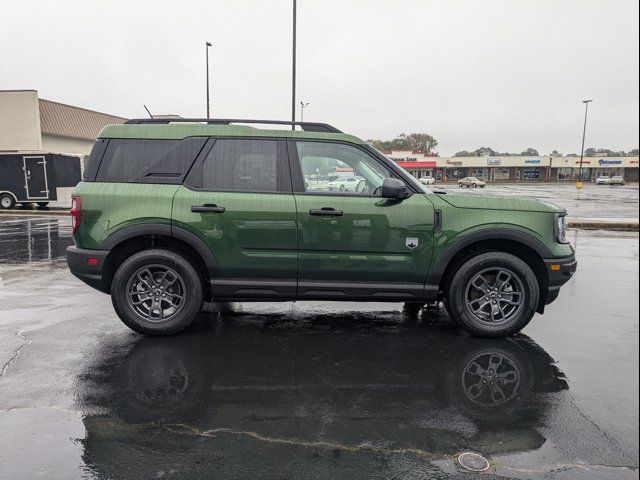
505 74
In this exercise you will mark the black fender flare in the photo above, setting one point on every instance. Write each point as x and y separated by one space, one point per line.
435 277
166 230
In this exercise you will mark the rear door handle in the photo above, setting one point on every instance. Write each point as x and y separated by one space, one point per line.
325 212
207 209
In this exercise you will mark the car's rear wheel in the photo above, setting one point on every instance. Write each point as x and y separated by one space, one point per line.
156 292
475 186
493 294
6 201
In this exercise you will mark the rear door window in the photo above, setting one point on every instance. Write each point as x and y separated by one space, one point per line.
242 165
148 161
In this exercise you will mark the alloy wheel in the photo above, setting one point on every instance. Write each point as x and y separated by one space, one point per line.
156 293
494 296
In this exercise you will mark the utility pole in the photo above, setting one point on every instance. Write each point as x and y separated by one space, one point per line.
206 47
293 69
584 133
303 105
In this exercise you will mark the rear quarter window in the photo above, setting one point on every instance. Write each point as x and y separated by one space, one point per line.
148 161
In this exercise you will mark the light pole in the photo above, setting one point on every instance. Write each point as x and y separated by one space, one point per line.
293 69
584 133
206 47
303 105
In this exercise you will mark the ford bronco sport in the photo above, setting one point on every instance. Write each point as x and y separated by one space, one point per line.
175 212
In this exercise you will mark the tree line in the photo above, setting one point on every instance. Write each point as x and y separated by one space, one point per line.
532 152
425 143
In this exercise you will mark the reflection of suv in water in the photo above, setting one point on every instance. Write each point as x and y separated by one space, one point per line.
342 381
171 214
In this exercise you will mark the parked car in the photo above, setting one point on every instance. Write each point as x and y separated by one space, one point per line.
603 180
344 184
172 213
617 180
471 182
427 180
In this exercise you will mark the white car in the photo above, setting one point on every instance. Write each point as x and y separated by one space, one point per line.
616 180
344 184
603 180
427 180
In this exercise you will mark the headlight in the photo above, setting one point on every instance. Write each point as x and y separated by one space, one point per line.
561 228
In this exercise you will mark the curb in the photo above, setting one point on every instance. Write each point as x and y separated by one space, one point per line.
597 225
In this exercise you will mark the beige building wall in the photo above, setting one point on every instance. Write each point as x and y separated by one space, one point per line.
68 145
19 121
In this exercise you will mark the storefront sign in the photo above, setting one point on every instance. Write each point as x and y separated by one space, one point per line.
494 161
604 161
532 161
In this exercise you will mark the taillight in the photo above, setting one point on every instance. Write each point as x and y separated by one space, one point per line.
76 212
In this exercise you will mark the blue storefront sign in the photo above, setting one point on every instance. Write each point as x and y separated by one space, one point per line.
604 161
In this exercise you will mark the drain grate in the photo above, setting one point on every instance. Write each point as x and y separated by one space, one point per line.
473 462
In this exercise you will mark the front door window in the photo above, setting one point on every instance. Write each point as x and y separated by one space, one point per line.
334 167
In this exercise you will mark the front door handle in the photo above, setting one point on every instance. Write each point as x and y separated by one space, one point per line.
325 212
207 209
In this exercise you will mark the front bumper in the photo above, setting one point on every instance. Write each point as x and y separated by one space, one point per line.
88 266
560 271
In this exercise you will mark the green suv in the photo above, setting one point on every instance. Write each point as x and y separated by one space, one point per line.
172 213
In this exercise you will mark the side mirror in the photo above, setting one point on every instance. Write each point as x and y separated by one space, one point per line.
394 188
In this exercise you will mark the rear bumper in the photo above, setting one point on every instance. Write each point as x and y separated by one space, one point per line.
89 273
565 269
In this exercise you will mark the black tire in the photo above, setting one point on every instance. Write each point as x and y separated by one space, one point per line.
475 186
342 188
7 202
136 307
42 204
462 295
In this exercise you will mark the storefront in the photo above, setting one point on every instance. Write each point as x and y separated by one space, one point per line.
514 168
568 168
418 169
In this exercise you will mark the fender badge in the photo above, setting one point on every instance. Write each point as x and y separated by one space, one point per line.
411 243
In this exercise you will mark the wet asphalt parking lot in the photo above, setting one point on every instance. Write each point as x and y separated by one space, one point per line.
312 389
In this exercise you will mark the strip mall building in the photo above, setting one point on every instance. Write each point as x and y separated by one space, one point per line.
514 169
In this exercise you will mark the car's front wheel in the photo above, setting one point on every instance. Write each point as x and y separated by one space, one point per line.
493 294
156 292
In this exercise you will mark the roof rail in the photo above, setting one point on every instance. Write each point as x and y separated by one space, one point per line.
306 126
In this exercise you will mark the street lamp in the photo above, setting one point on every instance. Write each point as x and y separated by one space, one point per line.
584 132
293 69
303 105
206 47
